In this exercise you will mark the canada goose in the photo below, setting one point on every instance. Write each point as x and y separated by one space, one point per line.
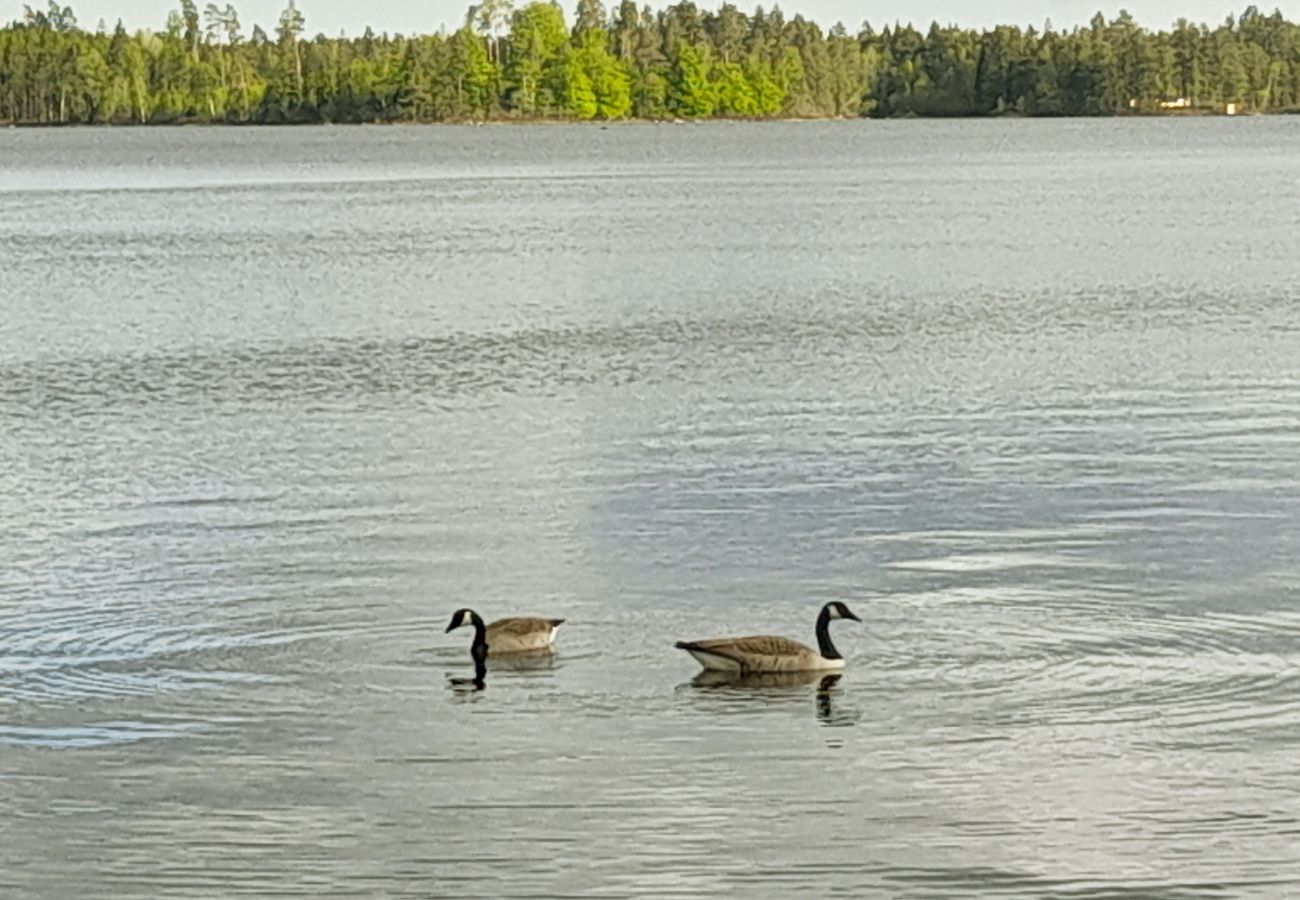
516 635
759 654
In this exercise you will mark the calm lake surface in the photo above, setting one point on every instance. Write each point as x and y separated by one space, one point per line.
274 403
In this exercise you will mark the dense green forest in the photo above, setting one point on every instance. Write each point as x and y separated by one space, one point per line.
528 62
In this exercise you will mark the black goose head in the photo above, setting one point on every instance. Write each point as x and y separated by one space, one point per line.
479 648
837 610
463 617
833 610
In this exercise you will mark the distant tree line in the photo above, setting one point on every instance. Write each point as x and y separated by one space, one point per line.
528 62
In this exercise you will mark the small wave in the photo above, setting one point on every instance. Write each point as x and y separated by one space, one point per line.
95 734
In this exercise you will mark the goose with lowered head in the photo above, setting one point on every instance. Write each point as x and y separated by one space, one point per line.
504 636
766 654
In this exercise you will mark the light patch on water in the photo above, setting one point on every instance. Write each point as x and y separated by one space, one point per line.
989 562
96 734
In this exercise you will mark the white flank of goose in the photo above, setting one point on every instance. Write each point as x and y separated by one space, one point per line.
763 653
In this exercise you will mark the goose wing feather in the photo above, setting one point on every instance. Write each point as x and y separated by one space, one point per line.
521 633
522 625
760 653
742 647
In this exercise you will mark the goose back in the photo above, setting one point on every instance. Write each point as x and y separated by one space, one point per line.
758 653
521 634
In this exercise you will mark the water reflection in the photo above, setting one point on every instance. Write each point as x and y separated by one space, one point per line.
477 683
527 661
738 691
717 679
829 712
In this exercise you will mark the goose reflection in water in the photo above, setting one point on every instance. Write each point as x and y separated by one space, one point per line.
531 661
714 678
742 687
477 683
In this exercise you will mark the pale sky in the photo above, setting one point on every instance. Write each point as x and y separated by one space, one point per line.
408 16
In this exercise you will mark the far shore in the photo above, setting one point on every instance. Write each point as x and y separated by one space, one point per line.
196 122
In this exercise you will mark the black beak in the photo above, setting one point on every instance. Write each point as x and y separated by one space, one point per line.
853 617
451 627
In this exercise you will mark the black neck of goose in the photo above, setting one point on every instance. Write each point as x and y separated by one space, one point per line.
824 645
479 649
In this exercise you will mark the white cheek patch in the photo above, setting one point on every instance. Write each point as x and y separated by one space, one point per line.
835 613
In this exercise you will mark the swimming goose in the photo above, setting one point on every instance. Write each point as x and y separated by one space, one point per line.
759 654
515 635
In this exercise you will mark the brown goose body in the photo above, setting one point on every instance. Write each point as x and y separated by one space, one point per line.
521 634
759 653
503 637
767 654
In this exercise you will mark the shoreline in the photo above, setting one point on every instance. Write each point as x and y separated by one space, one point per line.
677 64
608 123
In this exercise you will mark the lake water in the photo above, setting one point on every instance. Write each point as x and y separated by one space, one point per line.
274 403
